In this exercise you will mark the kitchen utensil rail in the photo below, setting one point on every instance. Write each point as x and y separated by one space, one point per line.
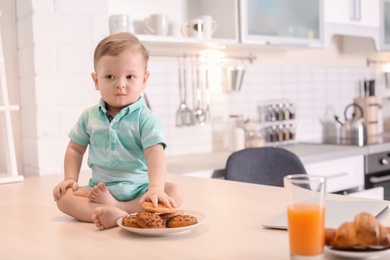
250 58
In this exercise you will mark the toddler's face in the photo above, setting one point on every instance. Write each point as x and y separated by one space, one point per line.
120 79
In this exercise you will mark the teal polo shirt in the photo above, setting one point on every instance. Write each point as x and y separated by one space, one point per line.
116 148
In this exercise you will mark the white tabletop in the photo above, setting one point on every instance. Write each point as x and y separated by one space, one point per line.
32 227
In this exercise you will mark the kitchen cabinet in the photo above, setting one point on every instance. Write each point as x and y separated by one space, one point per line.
224 12
281 22
341 174
352 18
385 24
355 12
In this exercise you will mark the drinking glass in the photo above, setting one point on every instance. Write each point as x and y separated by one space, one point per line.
306 215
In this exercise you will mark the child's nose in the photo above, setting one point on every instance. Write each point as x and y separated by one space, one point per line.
121 83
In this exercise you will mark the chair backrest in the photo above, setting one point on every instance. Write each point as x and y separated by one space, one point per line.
263 165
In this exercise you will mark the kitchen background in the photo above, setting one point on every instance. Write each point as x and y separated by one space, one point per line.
48 76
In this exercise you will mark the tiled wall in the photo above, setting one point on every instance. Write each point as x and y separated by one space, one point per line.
56 40
315 90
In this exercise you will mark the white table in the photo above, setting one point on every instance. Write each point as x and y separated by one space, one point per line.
32 227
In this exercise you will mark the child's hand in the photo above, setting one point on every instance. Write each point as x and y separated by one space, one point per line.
156 195
61 188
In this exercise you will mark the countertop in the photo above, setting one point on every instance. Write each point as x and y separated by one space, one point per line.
33 227
308 153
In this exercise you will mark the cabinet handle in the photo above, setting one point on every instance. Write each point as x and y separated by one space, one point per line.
379 179
352 4
337 175
358 10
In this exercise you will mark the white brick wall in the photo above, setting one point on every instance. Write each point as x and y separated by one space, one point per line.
56 43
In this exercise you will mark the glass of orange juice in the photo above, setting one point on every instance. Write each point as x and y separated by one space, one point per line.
306 215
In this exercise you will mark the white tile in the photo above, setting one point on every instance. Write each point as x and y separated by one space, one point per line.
26 62
45 61
81 7
40 5
74 59
61 29
48 122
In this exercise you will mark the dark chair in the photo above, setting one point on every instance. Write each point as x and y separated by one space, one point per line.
264 165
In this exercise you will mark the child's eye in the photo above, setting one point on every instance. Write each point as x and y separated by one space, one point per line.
109 77
130 77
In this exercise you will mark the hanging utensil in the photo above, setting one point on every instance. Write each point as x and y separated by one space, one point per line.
207 94
198 112
184 115
234 77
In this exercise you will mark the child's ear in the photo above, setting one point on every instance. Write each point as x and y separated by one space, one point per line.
146 77
95 80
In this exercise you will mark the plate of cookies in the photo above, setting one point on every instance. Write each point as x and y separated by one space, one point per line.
161 220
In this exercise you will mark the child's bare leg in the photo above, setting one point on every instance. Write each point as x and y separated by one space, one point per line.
77 204
175 192
106 217
100 194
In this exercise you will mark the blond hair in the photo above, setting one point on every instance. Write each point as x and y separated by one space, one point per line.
117 43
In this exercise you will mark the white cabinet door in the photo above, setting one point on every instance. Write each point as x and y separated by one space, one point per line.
385 25
370 12
341 174
353 12
281 22
337 11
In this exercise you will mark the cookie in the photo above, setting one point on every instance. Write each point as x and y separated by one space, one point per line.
167 216
161 208
181 221
149 220
130 221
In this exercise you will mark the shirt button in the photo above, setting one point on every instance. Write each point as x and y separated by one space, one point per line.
114 164
113 146
113 126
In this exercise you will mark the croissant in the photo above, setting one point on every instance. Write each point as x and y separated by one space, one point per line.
364 231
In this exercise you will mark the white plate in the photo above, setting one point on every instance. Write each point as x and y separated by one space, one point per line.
356 254
165 231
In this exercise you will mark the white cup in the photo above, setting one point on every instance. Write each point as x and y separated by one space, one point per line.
209 26
193 28
119 23
157 24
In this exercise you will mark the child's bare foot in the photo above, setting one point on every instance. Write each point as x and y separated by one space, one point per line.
106 217
101 195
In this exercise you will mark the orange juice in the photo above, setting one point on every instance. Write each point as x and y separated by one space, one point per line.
306 229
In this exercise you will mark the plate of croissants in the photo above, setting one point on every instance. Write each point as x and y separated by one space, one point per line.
161 220
364 237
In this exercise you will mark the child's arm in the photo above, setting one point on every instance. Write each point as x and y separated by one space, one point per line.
73 160
156 161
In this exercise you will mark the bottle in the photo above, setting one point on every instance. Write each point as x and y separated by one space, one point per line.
292 132
292 111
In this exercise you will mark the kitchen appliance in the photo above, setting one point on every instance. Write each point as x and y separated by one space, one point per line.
370 107
377 172
353 131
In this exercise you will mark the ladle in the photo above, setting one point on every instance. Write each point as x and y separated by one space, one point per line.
184 114
199 114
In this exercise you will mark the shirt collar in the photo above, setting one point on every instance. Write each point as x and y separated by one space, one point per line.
126 110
